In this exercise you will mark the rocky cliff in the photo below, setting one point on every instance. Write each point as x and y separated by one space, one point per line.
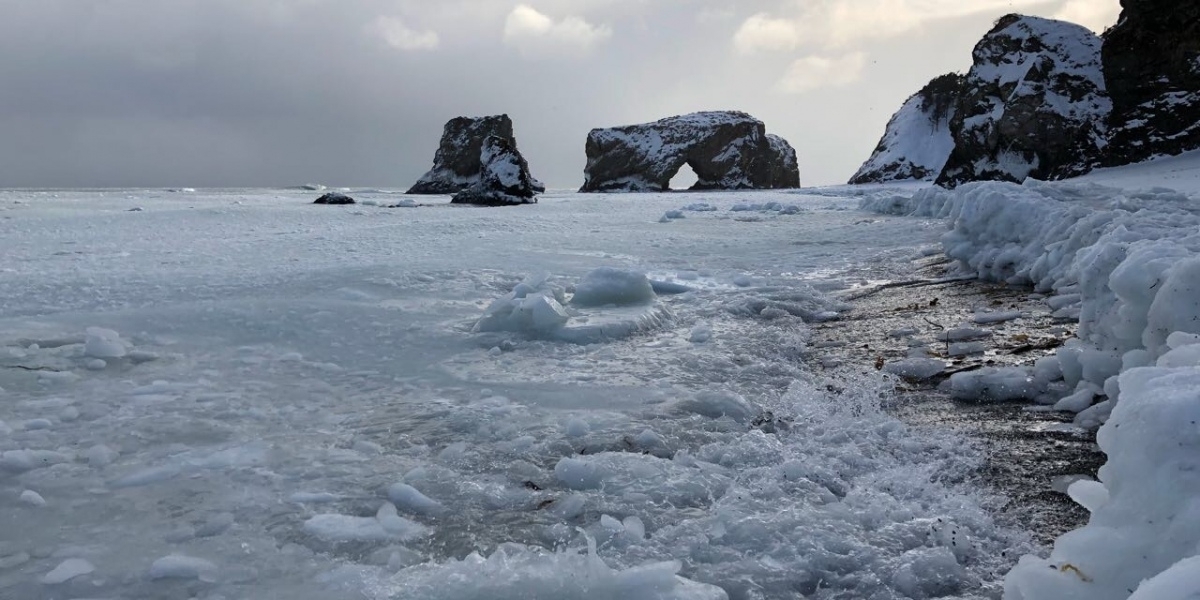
1152 67
726 150
457 164
917 140
503 178
1033 104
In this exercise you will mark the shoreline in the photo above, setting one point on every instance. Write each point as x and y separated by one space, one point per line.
1027 450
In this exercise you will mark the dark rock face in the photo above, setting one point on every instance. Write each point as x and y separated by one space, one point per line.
917 141
727 151
334 198
457 164
503 179
1033 104
1152 66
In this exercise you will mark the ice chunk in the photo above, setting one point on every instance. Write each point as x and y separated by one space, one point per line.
1091 495
104 343
717 404
178 566
700 334
399 527
916 369
345 528
963 334
67 570
994 385
608 285
513 572
409 499
100 455
313 497
984 318
32 498
967 348
533 307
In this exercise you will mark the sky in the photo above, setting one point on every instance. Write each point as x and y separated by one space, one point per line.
231 93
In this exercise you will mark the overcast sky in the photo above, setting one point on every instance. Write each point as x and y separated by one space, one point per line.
355 92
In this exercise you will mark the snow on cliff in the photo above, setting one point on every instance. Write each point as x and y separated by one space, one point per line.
917 141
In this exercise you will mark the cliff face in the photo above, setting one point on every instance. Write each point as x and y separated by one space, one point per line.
457 163
917 141
1152 66
1033 104
727 150
504 178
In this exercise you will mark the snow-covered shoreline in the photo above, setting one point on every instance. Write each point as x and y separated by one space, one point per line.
1124 258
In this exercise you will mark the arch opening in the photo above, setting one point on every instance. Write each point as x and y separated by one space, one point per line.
683 179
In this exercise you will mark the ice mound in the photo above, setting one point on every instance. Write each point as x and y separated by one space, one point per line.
104 343
611 286
608 304
534 306
515 572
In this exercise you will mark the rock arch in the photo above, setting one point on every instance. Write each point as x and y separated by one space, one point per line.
727 150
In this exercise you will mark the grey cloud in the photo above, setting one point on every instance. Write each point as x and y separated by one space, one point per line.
275 92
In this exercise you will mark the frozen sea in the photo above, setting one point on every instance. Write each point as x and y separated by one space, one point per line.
226 394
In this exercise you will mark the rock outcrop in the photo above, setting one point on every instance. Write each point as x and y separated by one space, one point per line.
457 163
1152 67
917 141
503 178
726 150
334 198
1033 104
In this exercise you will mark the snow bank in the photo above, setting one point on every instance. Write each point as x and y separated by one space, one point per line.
1146 508
1128 264
1124 262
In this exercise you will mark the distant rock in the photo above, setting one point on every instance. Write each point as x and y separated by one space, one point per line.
1152 66
457 164
334 198
917 141
1033 104
726 150
503 179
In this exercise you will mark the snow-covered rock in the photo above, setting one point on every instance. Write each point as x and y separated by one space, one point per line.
503 178
334 198
458 162
1033 103
727 150
1152 67
917 141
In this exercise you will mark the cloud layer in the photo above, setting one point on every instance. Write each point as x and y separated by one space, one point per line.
355 92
